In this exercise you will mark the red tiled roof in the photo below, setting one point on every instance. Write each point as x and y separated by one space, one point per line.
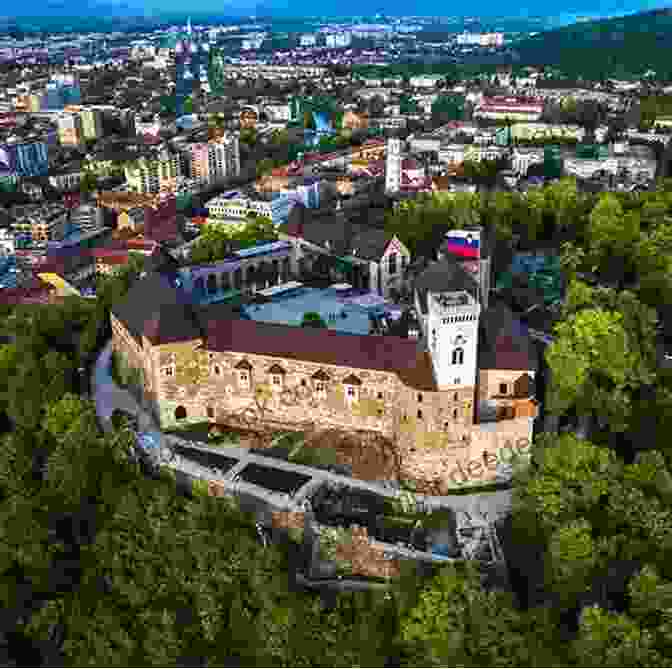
390 354
106 253
114 259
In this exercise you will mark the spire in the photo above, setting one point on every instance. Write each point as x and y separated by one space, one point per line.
189 26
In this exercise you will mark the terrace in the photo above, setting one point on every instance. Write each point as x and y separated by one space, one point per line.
341 307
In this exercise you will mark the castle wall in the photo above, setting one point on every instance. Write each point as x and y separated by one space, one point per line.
436 439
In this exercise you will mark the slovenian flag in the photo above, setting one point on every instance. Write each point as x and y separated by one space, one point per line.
464 244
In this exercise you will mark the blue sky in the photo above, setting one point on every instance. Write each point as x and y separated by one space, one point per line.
341 7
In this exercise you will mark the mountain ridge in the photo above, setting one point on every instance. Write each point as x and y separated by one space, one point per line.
623 46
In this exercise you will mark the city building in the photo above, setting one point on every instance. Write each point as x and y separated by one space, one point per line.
24 159
513 108
70 130
446 398
234 205
66 179
154 174
92 123
426 81
480 39
338 40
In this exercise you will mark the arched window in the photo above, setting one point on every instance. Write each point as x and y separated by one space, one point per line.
180 413
458 356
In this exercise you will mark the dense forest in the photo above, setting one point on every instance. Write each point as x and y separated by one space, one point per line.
102 565
594 50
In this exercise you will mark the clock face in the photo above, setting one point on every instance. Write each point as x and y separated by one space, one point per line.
460 340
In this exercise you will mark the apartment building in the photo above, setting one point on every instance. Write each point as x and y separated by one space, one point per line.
154 175
70 130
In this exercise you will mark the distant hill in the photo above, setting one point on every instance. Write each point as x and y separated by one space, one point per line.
617 47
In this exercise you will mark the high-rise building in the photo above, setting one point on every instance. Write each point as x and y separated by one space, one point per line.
70 130
216 159
92 123
154 175
216 78
393 161
191 65
24 159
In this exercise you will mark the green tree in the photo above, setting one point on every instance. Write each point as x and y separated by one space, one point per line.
311 319
457 623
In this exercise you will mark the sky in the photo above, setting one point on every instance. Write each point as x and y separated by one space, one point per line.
331 7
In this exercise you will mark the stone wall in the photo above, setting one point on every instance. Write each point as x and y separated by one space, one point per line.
471 461
204 381
364 558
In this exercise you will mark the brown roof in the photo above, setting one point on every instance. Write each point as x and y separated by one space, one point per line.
352 380
276 369
389 354
243 364
419 375
321 375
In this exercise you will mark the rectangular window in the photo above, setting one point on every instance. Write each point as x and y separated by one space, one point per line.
277 381
392 260
419 414
217 370
244 378
350 391
211 412
168 371
419 398
457 382
503 389
380 396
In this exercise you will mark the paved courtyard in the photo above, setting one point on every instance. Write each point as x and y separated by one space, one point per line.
339 311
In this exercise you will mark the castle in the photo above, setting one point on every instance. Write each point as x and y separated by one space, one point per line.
448 400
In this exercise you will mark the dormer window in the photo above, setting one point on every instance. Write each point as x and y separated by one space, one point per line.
458 356
320 380
277 375
169 371
351 384
244 370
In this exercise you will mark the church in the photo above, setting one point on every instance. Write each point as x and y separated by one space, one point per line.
448 399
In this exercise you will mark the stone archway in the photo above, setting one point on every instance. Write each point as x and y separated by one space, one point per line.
180 413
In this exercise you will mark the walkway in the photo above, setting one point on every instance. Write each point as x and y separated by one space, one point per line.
470 509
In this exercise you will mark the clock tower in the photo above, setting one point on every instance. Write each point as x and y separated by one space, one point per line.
452 337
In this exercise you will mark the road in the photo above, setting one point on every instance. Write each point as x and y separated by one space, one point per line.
108 396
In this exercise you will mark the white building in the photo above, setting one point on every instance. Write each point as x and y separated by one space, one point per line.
393 160
237 207
426 81
338 40
456 154
523 159
308 40
449 325
278 113
66 181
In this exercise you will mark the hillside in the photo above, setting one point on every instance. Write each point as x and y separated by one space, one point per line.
617 47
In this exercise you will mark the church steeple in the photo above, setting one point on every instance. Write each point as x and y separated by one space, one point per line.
189 26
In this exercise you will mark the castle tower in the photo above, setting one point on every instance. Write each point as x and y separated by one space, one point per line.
452 334
393 165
